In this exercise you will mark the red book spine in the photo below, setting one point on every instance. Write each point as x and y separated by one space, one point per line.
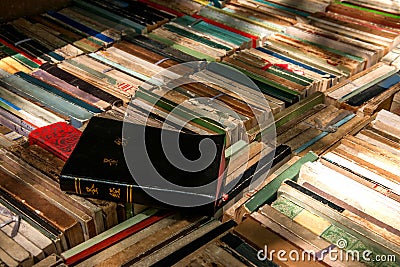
37 61
115 238
225 27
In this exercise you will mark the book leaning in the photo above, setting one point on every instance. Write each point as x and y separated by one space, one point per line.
99 168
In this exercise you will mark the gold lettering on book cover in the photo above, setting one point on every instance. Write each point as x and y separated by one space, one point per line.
120 141
78 185
116 193
129 193
92 190
112 162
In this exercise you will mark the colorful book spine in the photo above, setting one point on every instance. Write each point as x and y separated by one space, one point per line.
18 85
268 193
55 91
87 87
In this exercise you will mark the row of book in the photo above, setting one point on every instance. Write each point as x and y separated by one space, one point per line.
74 90
296 209
271 191
348 193
288 63
88 60
50 221
336 42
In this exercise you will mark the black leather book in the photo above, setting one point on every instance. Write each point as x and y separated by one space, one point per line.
98 167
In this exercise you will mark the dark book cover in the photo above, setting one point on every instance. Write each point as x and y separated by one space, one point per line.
59 138
373 91
99 168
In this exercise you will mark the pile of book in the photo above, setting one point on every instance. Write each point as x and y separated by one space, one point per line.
347 197
302 92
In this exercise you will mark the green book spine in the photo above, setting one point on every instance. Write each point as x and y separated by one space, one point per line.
181 48
195 37
266 81
267 194
182 112
111 16
20 58
369 10
298 109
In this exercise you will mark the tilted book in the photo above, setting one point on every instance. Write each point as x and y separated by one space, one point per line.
98 167
58 138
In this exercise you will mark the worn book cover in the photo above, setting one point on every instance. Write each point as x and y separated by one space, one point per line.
99 168
59 138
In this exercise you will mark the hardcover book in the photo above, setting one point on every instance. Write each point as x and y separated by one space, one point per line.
59 138
98 167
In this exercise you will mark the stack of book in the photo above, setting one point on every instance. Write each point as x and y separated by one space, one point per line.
347 197
388 6
368 91
324 72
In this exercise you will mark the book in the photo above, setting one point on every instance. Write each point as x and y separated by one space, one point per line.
43 185
15 251
81 84
263 238
62 224
97 167
57 104
173 252
28 234
267 194
59 138
299 235
112 238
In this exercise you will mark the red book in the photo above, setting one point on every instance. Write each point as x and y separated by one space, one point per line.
59 138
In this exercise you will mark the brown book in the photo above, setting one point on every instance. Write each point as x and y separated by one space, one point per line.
36 202
258 235
51 189
41 159
146 54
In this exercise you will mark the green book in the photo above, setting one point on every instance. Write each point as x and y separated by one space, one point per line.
268 193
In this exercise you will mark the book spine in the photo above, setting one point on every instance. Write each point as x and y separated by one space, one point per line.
55 91
34 202
16 119
268 192
97 35
161 48
33 224
112 191
111 16
57 104
18 57
75 81
129 193
112 236
191 242
69 89
13 126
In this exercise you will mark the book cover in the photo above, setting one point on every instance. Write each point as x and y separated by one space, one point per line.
98 168
59 138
